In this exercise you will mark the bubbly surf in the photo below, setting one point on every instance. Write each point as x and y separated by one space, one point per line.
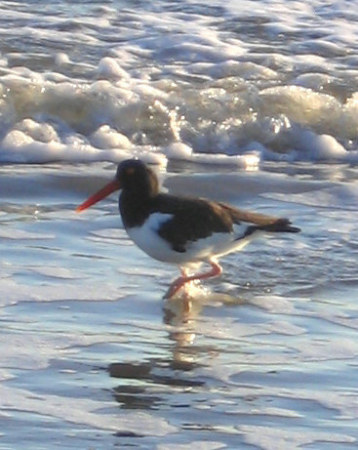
168 82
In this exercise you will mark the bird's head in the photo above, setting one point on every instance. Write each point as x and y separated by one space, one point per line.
133 176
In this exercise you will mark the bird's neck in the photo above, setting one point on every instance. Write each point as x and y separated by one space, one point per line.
135 207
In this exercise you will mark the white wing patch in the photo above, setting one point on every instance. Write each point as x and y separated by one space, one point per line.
155 220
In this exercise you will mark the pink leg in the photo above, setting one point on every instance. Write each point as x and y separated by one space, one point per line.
181 281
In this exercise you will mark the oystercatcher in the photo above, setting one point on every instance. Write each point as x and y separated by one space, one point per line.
182 230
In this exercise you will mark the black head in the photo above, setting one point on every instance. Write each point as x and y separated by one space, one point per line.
135 179
135 176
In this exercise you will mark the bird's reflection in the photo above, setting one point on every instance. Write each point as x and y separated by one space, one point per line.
142 383
181 315
145 385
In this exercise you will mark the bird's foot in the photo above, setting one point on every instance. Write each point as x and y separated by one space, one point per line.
185 290
187 279
175 287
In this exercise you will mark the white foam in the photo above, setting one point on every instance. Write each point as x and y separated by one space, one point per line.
18 353
42 132
203 86
329 350
61 59
218 122
21 147
84 411
13 234
110 69
200 445
14 292
181 151
335 196
107 137
16 138
56 272
271 438
301 105
322 147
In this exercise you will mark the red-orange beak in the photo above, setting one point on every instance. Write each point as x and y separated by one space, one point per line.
104 192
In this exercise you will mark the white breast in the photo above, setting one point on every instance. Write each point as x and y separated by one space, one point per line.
147 238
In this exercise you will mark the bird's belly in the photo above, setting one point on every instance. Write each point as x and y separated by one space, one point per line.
217 244
155 246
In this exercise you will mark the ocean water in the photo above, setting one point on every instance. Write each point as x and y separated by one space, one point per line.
253 103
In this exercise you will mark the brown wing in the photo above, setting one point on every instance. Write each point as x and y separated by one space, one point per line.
192 219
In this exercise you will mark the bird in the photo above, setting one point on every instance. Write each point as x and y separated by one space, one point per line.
182 230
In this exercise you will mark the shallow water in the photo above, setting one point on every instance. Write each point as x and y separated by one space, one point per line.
93 357
253 103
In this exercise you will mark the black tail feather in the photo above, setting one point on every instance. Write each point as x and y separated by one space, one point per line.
281 225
